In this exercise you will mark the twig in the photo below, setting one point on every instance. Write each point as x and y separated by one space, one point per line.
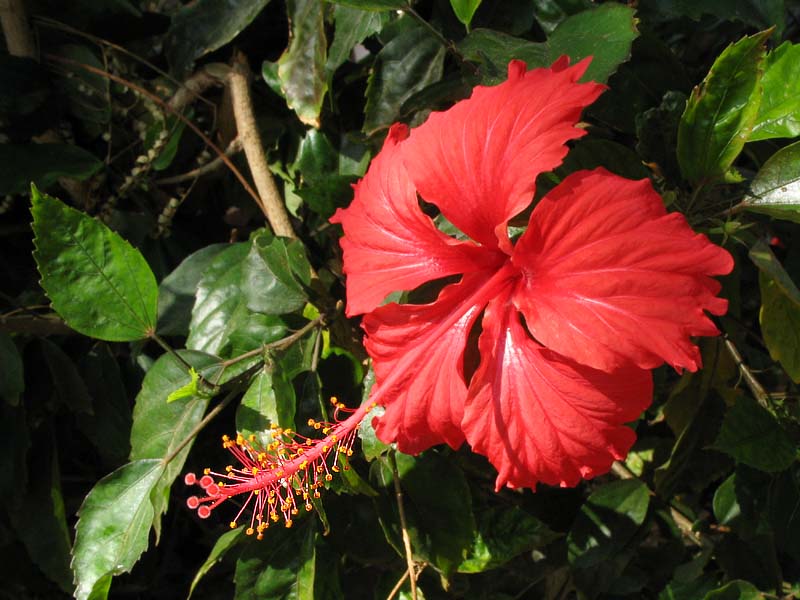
164 105
170 350
270 199
404 527
276 345
397 586
756 388
234 147
19 39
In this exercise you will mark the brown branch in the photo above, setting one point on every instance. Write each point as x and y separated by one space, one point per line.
756 388
412 571
19 39
43 325
234 147
270 199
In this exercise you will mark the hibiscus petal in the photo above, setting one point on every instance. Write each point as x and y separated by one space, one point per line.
540 417
611 278
418 357
389 243
478 161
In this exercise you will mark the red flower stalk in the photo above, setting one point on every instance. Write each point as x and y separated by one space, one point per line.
603 286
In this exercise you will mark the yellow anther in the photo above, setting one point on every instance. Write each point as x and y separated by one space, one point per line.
294 511
326 431
349 452
320 469
252 437
303 465
254 470
346 468
309 508
325 448
316 494
233 524
250 531
260 536
334 438
328 477
228 469
256 492
274 517
206 471
311 422
225 438
317 425
335 468
288 523
334 400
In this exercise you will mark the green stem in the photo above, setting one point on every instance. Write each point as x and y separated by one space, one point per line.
277 345
412 574
170 350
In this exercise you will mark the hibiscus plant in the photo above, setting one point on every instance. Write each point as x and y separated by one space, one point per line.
393 299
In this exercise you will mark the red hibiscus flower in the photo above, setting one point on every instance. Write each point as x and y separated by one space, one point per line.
603 286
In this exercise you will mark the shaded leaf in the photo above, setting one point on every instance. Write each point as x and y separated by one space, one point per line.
779 318
12 382
70 388
352 26
225 542
269 400
721 111
97 282
43 164
735 590
752 436
409 62
372 4
113 527
775 190
464 9
301 69
159 427
758 13
500 48
271 275
779 113
205 25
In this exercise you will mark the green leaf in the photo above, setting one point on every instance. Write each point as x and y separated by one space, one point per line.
276 568
44 164
779 318
500 48
222 546
598 542
188 390
604 33
301 69
273 269
176 292
269 400
113 527
763 258
98 283
255 331
352 26
220 306
159 427
752 436
721 111
408 63
39 518
735 590
12 382
465 9
502 534
204 26
775 190
373 4
109 427
779 113
726 506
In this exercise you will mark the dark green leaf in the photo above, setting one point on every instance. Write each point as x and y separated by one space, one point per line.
223 545
763 258
220 306
271 272
255 331
500 48
98 283
112 531
281 567
721 111
688 590
301 69
758 13
409 62
40 520
159 427
12 382
775 190
177 290
70 388
503 534
783 501
353 26
371 446
726 506
590 153
752 436
598 541
780 324
373 4
735 590
657 131
779 113
205 25
269 400
109 427
605 33
464 9
44 164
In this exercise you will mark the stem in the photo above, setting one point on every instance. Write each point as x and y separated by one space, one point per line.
756 388
19 39
270 199
169 349
201 425
397 586
234 147
277 345
448 44
165 106
404 526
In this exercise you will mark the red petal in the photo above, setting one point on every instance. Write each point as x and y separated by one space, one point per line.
418 357
611 278
540 417
389 243
478 161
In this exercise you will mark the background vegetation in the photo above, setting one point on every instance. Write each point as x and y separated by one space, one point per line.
144 119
